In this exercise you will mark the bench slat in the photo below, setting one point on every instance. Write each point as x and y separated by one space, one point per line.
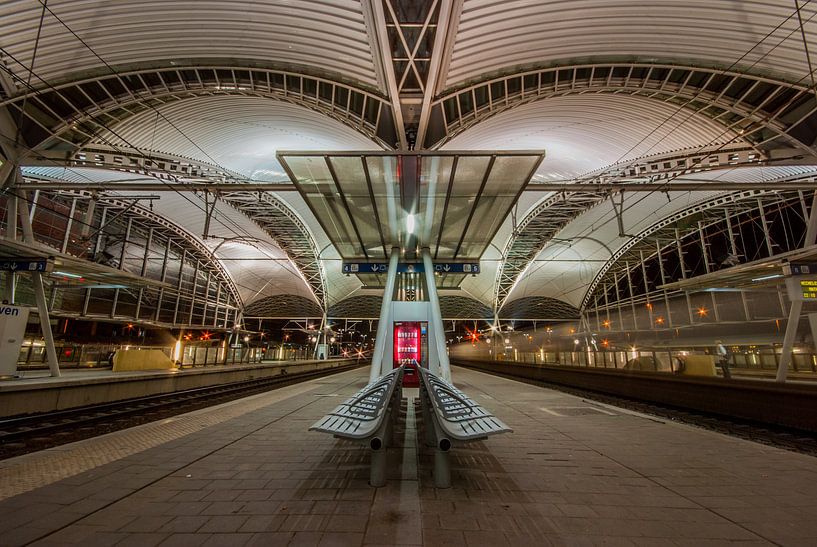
460 417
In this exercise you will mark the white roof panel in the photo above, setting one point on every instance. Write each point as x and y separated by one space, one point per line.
328 36
499 35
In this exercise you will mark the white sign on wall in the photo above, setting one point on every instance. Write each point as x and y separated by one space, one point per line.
13 321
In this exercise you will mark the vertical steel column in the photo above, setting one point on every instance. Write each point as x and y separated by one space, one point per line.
646 287
39 292
663 280
11 221
144 269
218 304
797 305
618 303
179 287
68 225
11 233
705 254
385 315
121 263
163 277
193 294
632 296
734 251
436 317
97 248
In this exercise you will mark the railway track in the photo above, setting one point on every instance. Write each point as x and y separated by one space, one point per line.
24 434
796 440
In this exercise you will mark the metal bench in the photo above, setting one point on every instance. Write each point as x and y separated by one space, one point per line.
451 416
369 417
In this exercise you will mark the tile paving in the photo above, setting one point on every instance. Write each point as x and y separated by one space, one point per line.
249 473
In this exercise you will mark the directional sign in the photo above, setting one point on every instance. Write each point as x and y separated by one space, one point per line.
410 267
25 265
802 288
456 267
802 268
365 267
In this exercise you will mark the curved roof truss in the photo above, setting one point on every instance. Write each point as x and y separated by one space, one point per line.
288 231
668 229
762 109
75 112
270 212
553 213
159 226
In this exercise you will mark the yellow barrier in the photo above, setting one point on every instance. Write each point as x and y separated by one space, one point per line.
699 365
141 359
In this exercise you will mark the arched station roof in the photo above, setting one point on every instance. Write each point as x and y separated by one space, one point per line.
210 91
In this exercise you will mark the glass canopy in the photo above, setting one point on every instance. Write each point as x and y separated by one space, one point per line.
451 202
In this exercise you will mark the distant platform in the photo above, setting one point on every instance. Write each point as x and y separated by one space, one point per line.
36 391
573 472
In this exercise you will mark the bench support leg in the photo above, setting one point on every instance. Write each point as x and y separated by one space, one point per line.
377 473
442 469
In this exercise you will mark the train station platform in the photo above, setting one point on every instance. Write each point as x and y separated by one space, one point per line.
249 473
36 391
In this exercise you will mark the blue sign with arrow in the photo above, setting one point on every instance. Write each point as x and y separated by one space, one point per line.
24 265
360 268
457 267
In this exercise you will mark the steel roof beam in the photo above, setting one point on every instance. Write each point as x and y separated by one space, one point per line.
762 118
596 189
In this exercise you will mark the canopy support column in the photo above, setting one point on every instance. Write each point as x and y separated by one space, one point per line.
437 329
385 318
797 305
39 290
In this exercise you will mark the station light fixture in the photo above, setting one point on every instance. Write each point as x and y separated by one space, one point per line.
410 223
702 312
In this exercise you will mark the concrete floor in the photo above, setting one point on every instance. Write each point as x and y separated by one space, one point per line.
248 473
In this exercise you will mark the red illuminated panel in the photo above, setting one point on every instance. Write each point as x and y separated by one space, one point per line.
407 350
406 343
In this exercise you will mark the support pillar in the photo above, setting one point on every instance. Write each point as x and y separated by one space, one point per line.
797 305
385 318
39 292
436 318
788 340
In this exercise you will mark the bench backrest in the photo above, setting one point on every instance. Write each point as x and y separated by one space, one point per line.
460 417
361 416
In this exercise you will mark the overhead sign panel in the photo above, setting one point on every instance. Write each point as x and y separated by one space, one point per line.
801 268
25 265
410 267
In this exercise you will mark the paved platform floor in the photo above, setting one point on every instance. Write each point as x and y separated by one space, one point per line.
248 473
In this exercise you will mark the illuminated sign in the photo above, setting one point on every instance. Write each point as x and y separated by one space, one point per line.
25 265
802 288
809 289
408 267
